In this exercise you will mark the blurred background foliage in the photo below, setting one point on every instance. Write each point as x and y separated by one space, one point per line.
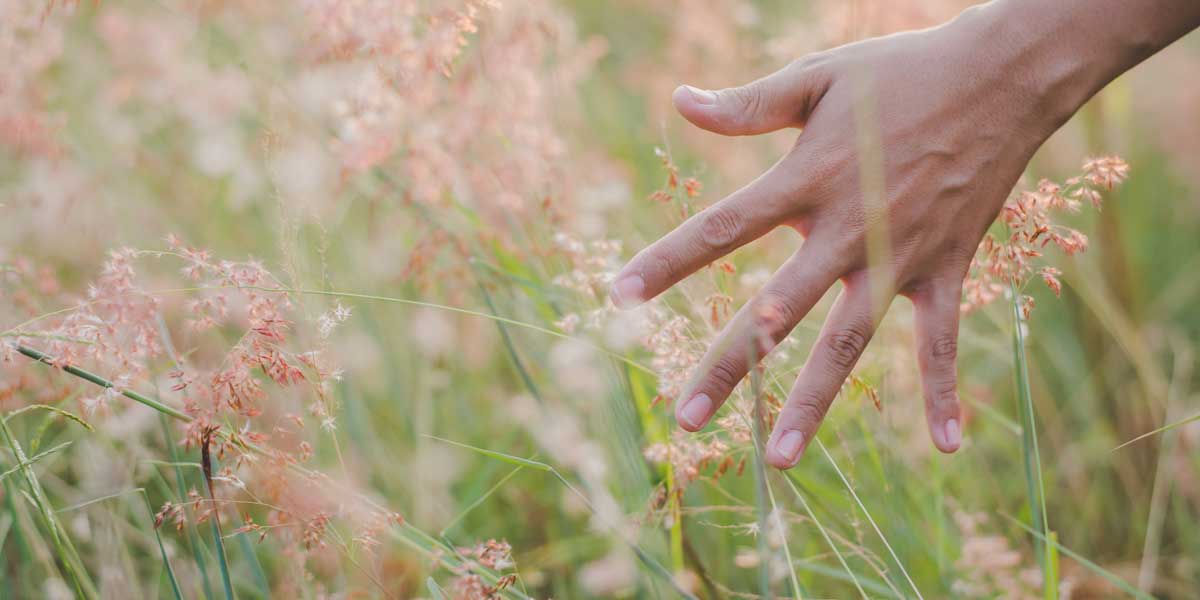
220 122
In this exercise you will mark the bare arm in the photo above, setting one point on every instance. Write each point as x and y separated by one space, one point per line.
957 111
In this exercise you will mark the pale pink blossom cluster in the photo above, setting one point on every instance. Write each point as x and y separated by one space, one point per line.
1004 264
988 564
243 401
691 456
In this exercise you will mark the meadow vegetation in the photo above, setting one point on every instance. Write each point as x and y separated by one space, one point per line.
310 299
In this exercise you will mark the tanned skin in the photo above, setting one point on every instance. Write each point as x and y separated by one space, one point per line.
954 114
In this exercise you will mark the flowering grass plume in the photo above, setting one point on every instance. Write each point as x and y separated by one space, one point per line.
398 222
1009 263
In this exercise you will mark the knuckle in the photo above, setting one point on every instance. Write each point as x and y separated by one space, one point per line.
720 227
751 101
726 373
774 315
845 346
808 409
944 348
664 264
944 394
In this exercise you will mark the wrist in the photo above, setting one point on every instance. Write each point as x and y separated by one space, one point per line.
1057 55
1043 73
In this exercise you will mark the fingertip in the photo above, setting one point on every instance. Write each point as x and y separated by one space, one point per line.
693 414
947 437
628 291
785 449
696 105
693 97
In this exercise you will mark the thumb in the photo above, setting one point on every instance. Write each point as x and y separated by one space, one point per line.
780 100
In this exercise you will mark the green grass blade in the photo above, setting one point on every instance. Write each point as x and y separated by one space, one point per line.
870 519
256 569
67 554
508 458
789 476
33 459
226 583
1031 455
1079 558
195 545
1163 429
1051 575
757 429
481 499
104 383
435 590
54 409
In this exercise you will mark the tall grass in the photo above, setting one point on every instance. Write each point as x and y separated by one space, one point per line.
459 370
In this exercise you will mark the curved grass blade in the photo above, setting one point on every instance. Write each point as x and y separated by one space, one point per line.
859 502
1079 558
150 509
824 534
435 590
54 409
33 459
1163 429
646 559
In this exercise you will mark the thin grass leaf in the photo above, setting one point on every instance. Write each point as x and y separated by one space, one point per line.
68 556
1079 558
435 590
870 519
206 464
42 357
481 499
757 429
646 559
858 501
463 311
256 569
150 509
788 477
447 556
226 582
878 589
195 545
1051 591
1163 429
1031 455
526 378
508 458
33 459
54 409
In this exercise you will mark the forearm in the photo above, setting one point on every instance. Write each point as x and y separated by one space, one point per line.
1060 53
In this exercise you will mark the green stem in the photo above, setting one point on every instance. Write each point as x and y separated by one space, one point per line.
104 383
1035 488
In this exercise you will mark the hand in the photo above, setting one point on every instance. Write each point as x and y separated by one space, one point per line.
909 146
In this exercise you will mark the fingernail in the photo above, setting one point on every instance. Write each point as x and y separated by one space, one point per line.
694 412
789 445
701 96
953 433
627 292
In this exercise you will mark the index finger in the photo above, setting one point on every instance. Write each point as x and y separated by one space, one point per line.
740 218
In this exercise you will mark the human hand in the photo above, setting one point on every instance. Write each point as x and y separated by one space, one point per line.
909 147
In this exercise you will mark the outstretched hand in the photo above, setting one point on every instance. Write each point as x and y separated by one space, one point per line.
909 145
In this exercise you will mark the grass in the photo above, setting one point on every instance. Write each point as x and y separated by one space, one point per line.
458 374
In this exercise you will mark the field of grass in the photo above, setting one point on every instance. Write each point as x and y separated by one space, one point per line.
311 301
